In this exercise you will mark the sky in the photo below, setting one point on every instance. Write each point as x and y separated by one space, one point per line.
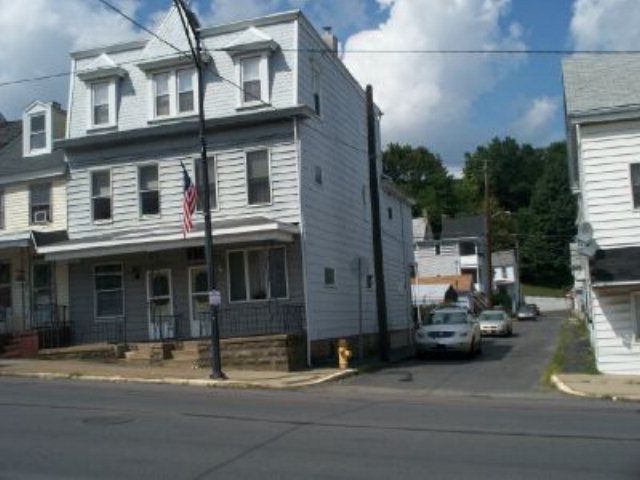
450 103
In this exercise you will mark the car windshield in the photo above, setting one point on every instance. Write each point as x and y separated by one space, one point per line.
491 316
447 318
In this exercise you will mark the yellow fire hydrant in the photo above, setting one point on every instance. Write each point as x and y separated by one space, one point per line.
344 354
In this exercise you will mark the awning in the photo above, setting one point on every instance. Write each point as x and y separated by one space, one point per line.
248 230
15 240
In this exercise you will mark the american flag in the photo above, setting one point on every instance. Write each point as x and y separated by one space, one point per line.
189 201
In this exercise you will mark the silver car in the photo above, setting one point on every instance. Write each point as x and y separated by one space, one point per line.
495 322
449 329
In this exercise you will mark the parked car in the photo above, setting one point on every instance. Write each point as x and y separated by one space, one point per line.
450 329
495 322
527 312
535 307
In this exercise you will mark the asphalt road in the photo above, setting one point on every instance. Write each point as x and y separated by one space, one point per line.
73 430
508 366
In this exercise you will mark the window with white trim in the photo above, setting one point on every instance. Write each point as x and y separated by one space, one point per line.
109 291
148 189
40 203
251 79
213 198
258 181
37 132
101 195
5 285
174 93
100 104
635 184
257 274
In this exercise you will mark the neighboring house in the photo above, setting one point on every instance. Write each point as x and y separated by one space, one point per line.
32 203
460 250
506 275
602 99
287 141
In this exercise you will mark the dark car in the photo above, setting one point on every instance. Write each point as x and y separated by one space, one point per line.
527 312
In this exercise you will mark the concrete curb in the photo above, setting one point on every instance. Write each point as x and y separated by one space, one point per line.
563 387
193 382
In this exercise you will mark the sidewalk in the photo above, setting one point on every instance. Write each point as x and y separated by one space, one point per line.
123 372
615 387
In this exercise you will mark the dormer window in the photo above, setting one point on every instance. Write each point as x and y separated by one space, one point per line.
173 93
101 78
251 80
37 132
100 103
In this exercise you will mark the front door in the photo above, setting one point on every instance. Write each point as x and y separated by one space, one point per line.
160 302
43 305
199 302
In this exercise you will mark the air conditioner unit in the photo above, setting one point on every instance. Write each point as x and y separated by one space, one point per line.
41 216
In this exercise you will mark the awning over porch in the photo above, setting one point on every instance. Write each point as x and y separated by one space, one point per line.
15 240
618 267
247 230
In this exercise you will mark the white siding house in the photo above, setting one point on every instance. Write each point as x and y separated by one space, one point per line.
603 133
287 142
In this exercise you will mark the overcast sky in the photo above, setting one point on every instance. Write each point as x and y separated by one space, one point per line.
448 102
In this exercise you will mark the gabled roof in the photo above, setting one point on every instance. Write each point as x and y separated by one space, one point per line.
251 39
471 226
601 84
15 167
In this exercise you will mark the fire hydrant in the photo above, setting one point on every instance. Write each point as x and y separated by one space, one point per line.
344 354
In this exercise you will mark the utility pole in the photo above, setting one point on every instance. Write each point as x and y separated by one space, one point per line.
381 300
192 26
487 229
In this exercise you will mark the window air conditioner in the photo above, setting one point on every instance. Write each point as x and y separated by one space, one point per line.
41 216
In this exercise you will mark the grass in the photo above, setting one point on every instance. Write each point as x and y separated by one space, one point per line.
573 353
540 291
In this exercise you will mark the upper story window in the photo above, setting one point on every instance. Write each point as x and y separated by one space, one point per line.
174 93
251 79
635 184
148 188
101 195
258 181
40 203
467 248
100 107
211 164
318 174
37 132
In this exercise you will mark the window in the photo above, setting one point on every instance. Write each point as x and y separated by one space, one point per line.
40 200
148 188
211 165
201 324
390 213
1 209
186 95
251 80
258 274
38 132
318 175
101 195
635 184
159 293
174 93
100 103
369 281
258 182
109 292
315 80
467 248
329 277
42 276
5 286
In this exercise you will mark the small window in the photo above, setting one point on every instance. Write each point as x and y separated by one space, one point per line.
5 286
329 277
369 281
40 200
101 195
211 167
635 184
162 94
186 97
316 90
251 80
109 292
318 175
258 182
149 191
390 213
37 135
100 103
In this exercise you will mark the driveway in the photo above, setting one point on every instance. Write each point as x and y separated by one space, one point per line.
509 366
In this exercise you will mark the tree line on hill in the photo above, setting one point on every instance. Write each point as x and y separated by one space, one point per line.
531 204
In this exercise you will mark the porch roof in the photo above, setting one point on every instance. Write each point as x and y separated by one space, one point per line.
246 230
17 239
